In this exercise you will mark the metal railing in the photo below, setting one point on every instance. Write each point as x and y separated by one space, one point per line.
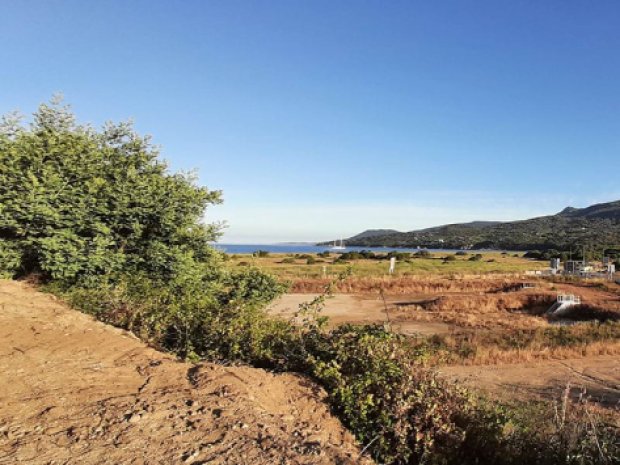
569 298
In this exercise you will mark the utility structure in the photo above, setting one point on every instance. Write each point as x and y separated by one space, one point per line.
608 262
563 303
575 267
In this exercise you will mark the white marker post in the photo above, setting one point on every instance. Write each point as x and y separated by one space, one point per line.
392 264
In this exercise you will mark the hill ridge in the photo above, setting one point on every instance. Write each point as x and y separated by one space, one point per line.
597 224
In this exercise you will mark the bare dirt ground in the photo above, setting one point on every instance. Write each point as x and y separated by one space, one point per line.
442 308
76 391
597 378
359 309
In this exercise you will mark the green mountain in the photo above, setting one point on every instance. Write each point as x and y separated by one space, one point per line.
374 233
594 226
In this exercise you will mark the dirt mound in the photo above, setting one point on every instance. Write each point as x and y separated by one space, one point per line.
75 391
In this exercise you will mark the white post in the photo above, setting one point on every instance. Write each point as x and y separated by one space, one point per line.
392 264
324 271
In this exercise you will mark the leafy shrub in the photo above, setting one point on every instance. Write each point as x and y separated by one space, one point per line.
80 206
475 258
351 256
368 254
261 253
449 258
311 261
288 260
190 314
422 254
383 398
400 256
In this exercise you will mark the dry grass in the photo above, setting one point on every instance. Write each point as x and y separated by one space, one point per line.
423 285
328 267
498 356
494 319
516 310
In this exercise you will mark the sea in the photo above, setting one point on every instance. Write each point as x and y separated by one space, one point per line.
292 248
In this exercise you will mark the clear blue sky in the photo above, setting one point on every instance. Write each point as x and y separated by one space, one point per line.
319 119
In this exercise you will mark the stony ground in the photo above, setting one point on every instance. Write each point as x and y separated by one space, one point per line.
76 391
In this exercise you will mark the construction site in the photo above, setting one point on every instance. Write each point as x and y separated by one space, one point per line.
521 334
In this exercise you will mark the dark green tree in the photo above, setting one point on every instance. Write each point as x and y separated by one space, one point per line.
77 204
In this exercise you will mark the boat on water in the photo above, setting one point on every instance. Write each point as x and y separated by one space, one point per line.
338 245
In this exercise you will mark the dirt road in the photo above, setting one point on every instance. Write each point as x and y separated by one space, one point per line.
359 309
596 378
598 375
76 391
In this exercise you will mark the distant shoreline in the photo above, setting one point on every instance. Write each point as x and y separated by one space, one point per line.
287 248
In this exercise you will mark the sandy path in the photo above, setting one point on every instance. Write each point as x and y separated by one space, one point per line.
76 391
359 309
599 376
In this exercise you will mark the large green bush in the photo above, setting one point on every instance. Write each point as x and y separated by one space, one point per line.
78 204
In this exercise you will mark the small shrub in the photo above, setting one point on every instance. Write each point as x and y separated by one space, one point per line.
400 256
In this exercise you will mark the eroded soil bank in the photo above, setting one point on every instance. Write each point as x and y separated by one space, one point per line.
76 391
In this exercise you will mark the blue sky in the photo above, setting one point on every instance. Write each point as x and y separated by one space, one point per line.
319 119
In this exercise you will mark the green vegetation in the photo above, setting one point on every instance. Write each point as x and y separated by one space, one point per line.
97 216
370 264
100 220
83 207
595 226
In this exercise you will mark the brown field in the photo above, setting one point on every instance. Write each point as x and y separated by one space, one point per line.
488 330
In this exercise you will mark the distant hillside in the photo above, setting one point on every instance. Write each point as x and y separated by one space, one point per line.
610 210
597 225
373 233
